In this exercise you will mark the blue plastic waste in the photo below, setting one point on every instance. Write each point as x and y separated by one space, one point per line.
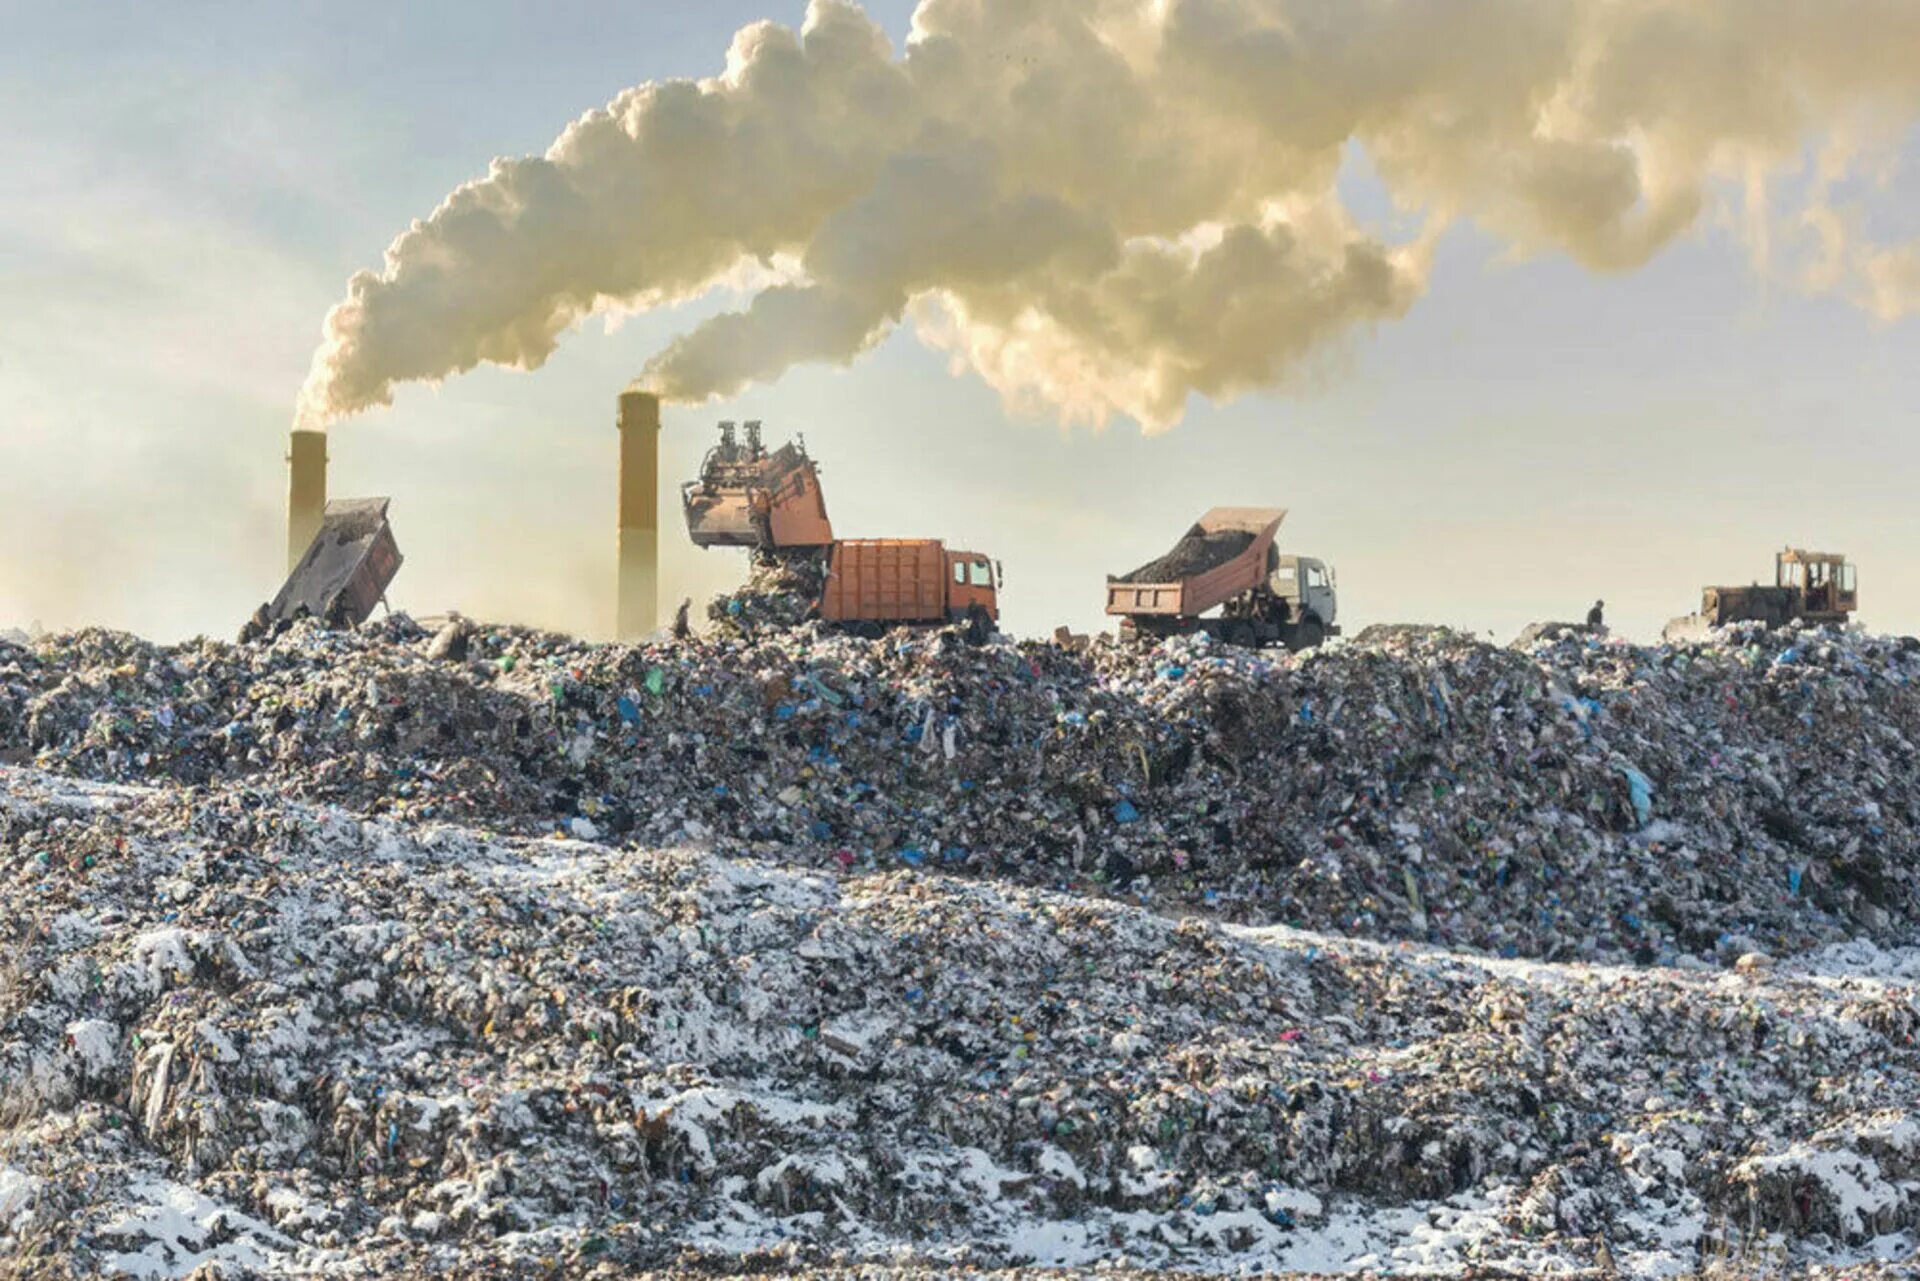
1641 790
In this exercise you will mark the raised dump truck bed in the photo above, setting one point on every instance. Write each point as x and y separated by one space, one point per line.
346 569
1227 561
748 497
1221 556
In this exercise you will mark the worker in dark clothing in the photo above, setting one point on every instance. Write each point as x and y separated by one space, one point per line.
1594 615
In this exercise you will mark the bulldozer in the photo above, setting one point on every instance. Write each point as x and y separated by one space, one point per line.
746 496
1808 587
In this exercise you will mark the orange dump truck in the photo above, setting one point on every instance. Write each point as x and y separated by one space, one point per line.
771 501
1227 562
877 583
748 496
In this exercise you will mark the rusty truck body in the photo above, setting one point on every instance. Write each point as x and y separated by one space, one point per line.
346 569
1228 562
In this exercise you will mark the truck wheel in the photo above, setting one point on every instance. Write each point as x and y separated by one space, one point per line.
1308 635
979 625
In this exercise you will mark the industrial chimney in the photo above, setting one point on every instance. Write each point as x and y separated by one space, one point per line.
306 492
638 612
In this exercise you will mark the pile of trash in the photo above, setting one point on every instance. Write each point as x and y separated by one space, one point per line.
243 1031
1577 799
779 593
1197 551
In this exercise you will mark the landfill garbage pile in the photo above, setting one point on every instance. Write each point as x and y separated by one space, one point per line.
242 1031
1571 800
779 593
1195 553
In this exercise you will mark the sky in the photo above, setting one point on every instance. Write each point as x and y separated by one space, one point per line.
190 186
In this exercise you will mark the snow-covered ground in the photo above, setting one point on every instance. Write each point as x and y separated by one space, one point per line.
294 1039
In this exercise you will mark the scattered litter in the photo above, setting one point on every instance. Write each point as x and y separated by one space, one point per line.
1412 954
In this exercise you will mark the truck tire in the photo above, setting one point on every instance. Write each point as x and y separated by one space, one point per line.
1243 632
1309 634
979 625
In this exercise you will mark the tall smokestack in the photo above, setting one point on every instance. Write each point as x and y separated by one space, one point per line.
638 611
306 492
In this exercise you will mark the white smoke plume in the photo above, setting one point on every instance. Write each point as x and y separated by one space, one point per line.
1108 206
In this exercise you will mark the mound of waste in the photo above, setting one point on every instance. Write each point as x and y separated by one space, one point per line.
778 594
1195 553
1573 799
241 1031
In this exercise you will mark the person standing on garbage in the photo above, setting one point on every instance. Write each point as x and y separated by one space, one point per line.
1595 616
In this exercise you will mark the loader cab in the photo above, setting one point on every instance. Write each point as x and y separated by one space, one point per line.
971 584
1306 584
1824 580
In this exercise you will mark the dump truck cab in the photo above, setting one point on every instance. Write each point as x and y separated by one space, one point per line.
972 584
1307 587
1825 581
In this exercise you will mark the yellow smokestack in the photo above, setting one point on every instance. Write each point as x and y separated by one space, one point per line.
306 492
638 612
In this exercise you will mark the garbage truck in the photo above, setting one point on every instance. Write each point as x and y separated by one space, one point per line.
1808 587
771 502
747 496
1228 562
873 584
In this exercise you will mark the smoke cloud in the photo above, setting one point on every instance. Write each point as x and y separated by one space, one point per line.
1105 207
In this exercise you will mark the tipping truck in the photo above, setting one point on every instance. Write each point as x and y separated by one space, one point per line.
1808 587
1228 562
345 571
772 503
746 496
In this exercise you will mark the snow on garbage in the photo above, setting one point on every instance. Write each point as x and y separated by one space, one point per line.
1575 799
335 953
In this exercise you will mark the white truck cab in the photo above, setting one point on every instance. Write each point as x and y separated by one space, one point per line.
1307 585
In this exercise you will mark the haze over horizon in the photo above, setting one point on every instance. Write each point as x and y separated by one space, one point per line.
1530 434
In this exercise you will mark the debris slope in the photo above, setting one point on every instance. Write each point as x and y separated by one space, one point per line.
1573 800
358 954
278 1037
